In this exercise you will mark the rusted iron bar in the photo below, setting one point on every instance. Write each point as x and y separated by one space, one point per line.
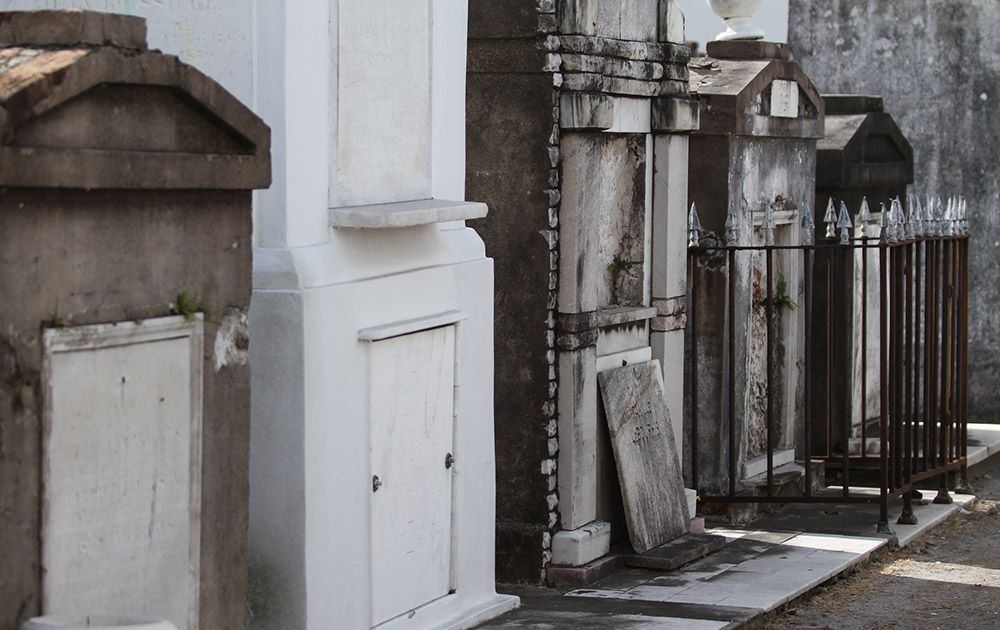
807 266
883 522
769 314
846 255
731 370
693 362
964 246
864 349
907 517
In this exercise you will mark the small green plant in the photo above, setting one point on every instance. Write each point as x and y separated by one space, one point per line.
781 297
55 320
620 266
187 306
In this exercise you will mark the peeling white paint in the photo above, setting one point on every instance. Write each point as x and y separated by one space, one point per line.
232 346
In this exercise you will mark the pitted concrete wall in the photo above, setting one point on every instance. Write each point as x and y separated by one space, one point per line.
937 64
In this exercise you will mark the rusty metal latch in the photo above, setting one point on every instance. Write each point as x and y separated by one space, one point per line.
449 459
376 483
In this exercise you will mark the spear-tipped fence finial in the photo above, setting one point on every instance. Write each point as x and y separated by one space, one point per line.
830 219
770 224
909 227
844 224
919 225
694 227
929 216
956 217
865 214
888 224
808 225
733 228
938 217
948 228
885 232
896 215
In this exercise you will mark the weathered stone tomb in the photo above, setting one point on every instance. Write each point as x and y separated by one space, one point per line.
577 137
125 262
761 117
864 159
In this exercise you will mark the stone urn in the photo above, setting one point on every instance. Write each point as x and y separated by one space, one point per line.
738 16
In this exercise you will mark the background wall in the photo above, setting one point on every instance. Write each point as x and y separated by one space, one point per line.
703 25
213 35
937 63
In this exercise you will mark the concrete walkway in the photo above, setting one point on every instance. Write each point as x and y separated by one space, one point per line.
759 570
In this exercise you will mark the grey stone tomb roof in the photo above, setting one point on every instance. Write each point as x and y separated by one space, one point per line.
732 83
60 70
863 146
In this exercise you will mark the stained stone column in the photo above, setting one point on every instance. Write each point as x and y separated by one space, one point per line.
570 107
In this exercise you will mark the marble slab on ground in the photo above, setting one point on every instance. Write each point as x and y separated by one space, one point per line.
642 437
677 552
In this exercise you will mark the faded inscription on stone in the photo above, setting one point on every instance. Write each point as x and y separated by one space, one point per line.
643 443
784 99
121 470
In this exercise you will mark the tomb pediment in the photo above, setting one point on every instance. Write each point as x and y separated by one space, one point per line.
165 116
863 145
754 89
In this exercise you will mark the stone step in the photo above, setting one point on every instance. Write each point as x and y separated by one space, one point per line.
676 553
788 474
788 480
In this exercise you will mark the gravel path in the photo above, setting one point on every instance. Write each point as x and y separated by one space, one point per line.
949 579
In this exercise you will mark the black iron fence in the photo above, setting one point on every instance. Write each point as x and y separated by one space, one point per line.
862 376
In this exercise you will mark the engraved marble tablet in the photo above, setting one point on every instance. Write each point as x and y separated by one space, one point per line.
784 99
643 442
122 469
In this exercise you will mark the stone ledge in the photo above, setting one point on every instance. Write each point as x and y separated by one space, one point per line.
405 214
671 306
605 317
587 574
669 323
410 326
71 27
625 49
601 83
577 547
747 50
676 113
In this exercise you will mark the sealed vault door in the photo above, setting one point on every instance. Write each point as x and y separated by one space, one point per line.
412 421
